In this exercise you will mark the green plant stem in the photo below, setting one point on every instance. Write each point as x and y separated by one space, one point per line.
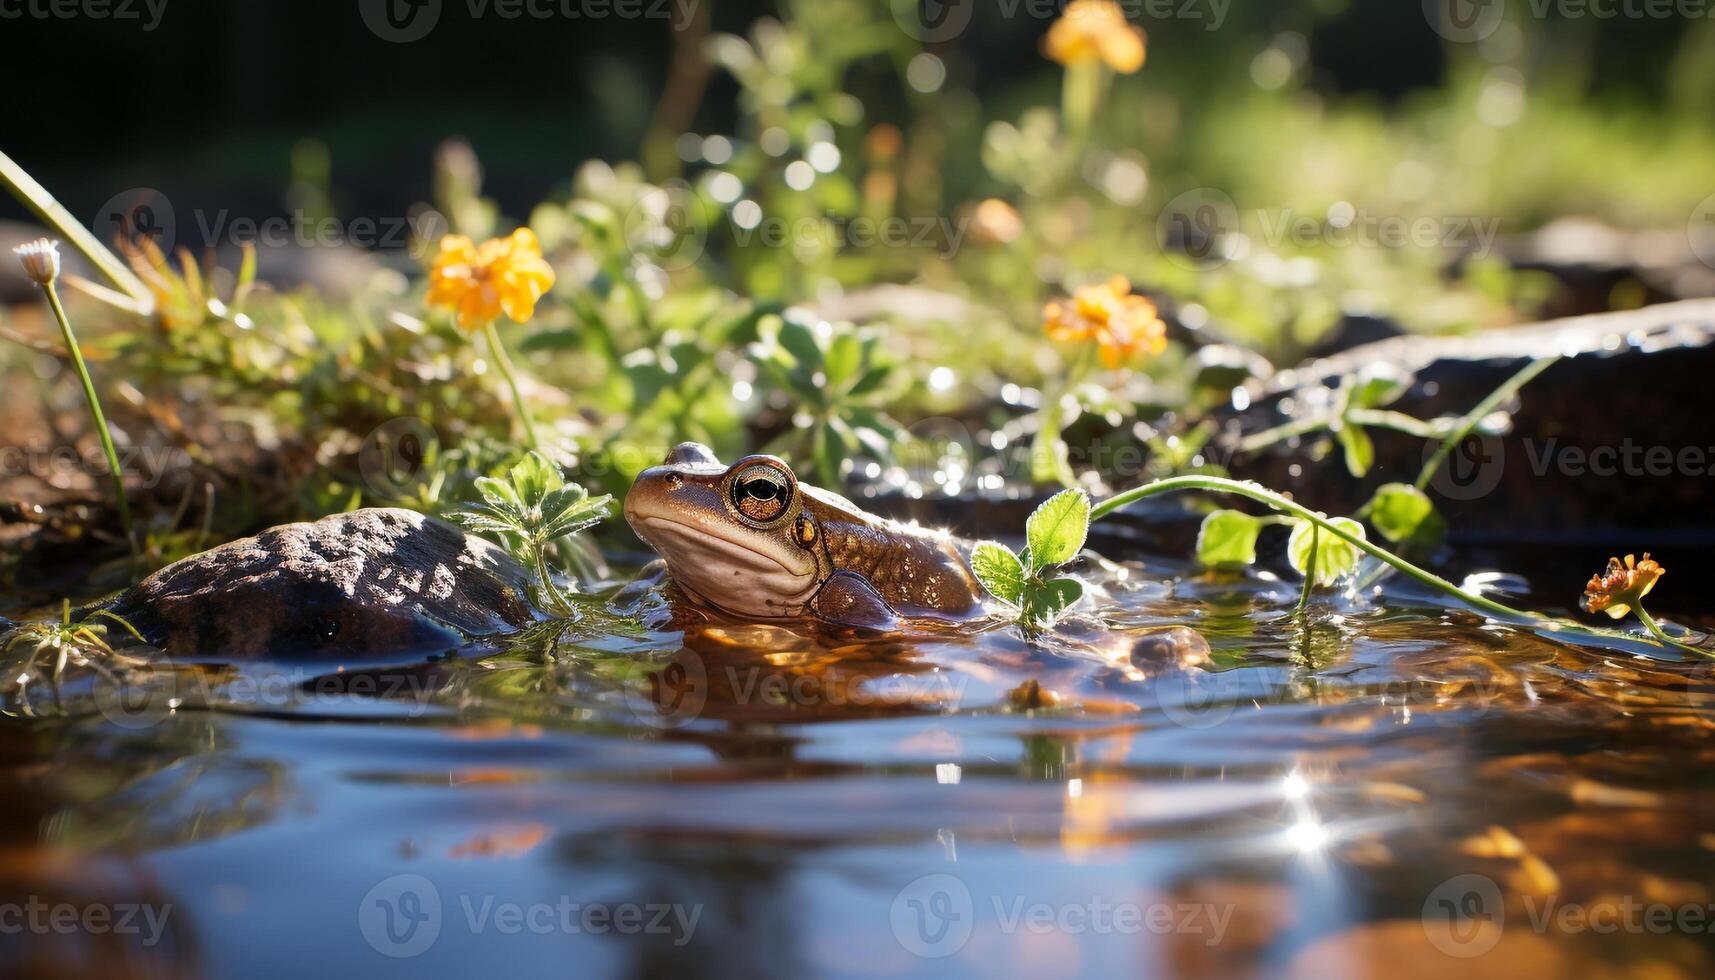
504 363
36 197
1650 624
1310 569
95 411
1080 96
1214 484
1467 424
556 599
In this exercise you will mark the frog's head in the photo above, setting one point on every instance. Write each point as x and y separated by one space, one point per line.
736 536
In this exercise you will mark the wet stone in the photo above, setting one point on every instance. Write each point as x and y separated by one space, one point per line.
363 586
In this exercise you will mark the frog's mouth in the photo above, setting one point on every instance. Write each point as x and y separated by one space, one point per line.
729 574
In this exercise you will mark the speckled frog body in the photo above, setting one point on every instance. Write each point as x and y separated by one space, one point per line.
752 541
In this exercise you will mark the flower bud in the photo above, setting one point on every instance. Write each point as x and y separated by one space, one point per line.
41 260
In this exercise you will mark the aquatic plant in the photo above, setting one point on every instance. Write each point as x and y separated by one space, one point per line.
1027 582
41 261
85 644
528 512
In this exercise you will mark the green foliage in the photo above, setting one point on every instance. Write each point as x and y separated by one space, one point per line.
1056 530
530 510
1228 537
837 377
1054 534
1332 557
1400 512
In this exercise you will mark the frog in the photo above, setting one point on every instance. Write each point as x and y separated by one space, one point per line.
753 541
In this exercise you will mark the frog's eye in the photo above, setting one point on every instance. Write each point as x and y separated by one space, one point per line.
762 492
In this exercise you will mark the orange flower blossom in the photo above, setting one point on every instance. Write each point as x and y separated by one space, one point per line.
1622 587
1096 30
1121 324
504 275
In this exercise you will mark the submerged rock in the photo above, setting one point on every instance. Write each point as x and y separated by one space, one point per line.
363 585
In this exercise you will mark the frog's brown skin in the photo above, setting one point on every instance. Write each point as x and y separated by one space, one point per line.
751 540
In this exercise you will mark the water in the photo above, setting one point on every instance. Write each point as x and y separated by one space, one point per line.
1382 788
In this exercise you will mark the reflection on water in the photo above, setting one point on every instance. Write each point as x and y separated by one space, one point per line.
1377 788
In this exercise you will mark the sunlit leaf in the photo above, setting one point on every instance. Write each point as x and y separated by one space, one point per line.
1401 512
1335 557
999 570
1056 530
1228 537
1360 450
1045 602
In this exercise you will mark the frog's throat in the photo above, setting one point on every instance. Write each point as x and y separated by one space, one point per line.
732 575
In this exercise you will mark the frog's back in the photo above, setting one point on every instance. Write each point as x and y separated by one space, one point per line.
915 569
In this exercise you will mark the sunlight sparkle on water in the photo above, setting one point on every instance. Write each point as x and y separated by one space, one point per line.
1307 835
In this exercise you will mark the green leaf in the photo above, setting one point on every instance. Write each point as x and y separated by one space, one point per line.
871 381
1377 386
500 495
1228 537
534 478
1057 529
1400 511
831 453
1360 450
1045 601
800 342
999 570
1335 557
845 356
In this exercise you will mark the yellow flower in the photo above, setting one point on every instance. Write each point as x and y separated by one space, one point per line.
504 275
1622 587
1096 30
1120 324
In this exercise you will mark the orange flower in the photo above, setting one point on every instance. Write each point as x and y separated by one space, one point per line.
1622 587
505 275
1096 30
1121 325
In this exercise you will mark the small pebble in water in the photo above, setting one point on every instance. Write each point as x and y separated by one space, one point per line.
1178 647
